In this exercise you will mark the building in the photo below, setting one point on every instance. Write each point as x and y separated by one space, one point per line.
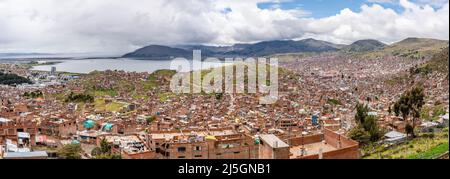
26 155
272 147
394 137
327 145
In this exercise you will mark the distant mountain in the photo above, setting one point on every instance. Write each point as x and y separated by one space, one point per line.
241 50
284 46
364 46
159 52
412 47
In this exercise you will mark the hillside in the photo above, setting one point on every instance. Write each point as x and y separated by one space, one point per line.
439 63
242 50
159 52
364 46
12 79
412 48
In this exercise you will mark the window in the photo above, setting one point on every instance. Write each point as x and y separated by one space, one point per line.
198 156
198 148
181 157
181 149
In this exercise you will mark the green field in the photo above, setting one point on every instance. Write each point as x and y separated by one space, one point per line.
432 153
422 147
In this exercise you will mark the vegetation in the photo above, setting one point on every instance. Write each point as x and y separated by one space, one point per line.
34 94
104 151
425 146
150 119
439 63
70 151
410 48
102 105
367 129
80 98
334 102
410 104
13 79
432 153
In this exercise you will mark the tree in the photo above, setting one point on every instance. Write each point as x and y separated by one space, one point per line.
359 134
70 151
409 129
410 103
150 119
96 151
104 151
105 148
361 113
12 79
367 129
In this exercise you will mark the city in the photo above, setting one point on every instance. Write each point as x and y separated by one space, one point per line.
365 97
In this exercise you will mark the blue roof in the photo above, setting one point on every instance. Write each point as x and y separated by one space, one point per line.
75 142
88 124
108 126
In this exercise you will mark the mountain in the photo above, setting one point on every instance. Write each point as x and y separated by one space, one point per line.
440 61
242 50
411 47
159 52
284 46
364 46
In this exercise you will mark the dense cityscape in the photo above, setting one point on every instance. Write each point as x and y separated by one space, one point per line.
248 87
332 105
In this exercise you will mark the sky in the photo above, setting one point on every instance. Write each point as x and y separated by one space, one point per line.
116 27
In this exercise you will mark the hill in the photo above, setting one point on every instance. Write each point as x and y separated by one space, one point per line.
159 52
12 79
242 50
412 48
439 63
364 46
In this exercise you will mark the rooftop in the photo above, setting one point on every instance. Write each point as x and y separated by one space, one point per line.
25 154
311 149
273 141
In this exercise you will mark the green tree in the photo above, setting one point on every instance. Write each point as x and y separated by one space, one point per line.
360 135
105 148
410 104
70 151
367 129
409 129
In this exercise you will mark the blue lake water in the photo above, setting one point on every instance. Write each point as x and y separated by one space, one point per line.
129 65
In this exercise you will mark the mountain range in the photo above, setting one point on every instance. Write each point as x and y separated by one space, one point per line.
267 48
242 50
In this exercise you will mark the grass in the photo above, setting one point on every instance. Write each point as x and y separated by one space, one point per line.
101 105
103 93
165 96
418 147
432 153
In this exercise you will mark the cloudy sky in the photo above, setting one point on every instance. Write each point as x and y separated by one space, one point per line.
116 26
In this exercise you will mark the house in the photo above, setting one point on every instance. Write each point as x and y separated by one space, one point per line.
429 126
26 155
444 120
394 137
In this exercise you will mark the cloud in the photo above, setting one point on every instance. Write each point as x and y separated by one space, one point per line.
116 27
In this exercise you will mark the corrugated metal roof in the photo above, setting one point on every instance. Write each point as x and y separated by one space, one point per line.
25 154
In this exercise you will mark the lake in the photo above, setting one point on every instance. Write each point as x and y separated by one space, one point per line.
130 65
